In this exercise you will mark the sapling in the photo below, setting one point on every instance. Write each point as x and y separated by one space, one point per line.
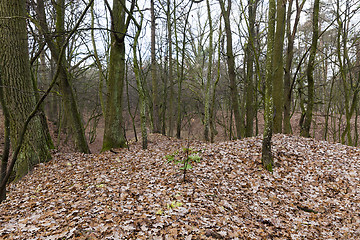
186 158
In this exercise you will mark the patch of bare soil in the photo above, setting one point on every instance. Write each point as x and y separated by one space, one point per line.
313 193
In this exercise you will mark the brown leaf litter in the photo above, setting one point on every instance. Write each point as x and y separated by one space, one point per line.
313 193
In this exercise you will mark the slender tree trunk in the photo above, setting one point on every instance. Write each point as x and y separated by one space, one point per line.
289 58
278 66
155 106
181 74
231 66
73 117
170 71
328 110
249 91
140 86
267 157
17 91
213 97
98 63
305 130
208 78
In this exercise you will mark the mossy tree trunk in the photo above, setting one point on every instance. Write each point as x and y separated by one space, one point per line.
114 132
6 149
73 116
267 157
350 86
17 87
305 128
278 66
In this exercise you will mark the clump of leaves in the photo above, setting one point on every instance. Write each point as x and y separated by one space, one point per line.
185 158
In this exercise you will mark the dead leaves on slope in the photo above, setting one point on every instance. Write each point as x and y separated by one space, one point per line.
313 193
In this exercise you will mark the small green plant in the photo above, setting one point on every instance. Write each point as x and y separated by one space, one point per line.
186 158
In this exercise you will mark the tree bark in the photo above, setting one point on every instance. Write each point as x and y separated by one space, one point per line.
114 132
170 71
73 117
249 91
305 129
16 78
231 67
267 157
140 85
155 101
181 73
207 111
278 66
289 58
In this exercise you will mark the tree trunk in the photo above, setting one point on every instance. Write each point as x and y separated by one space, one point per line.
231 66
278 66
16 77
170 71
73 117
155 103
114 132
140 85
6 151
267 157
208 78
305 129
181 73
249 91
288 88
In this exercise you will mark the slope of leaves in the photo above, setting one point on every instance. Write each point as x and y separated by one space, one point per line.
313 193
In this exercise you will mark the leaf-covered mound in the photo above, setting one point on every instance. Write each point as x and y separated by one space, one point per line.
313 193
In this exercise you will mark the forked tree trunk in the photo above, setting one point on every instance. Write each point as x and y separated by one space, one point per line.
114 132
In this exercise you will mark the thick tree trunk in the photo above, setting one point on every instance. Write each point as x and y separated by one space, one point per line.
114 133
6 150
18 93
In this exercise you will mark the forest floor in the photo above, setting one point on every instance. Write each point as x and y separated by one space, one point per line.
313 193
